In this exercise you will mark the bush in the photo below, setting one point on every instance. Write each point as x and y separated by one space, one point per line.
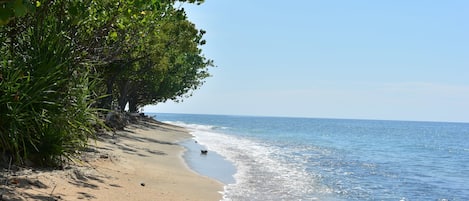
45 95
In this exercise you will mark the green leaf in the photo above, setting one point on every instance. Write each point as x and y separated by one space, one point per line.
3 22
19 8
113 35
5 15
120 25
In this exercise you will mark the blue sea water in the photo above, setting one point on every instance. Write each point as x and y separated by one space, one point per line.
334 159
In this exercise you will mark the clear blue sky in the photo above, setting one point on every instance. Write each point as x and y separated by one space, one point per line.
395 60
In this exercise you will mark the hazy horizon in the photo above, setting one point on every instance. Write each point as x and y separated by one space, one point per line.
399 60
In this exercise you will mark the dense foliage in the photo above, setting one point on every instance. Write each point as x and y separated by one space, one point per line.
64 61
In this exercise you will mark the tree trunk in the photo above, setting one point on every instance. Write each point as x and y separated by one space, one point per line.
122 102
107 101
124 93
133 105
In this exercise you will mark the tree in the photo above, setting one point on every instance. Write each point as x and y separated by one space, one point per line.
59 57
148 46
174 65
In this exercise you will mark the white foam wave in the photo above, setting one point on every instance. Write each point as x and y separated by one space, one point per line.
192 126
263 173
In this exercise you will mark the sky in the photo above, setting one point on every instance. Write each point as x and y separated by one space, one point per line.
361 59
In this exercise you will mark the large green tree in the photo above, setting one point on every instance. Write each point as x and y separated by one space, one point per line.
59 56
141 47
169 63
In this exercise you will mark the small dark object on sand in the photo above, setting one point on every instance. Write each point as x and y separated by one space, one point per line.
142 184
204 152
104 156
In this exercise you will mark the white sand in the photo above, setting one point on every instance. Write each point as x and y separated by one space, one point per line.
141 163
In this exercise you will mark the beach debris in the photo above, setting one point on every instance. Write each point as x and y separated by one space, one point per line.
104 156
116 120
52 192
142 184
203 152
36 183
14 181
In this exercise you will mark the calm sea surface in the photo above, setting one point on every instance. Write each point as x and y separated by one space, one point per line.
332 159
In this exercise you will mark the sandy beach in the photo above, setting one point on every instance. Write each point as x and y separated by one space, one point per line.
143 162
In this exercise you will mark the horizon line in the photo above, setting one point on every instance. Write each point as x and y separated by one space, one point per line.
310 117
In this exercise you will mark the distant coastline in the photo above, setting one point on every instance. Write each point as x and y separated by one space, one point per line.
155 114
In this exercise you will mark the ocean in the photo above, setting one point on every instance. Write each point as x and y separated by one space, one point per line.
276 158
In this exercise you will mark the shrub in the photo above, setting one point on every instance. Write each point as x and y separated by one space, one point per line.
45 94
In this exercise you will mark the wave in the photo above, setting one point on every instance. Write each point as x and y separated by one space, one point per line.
321 159
264 171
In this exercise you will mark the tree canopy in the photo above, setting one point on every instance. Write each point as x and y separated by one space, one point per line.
64 61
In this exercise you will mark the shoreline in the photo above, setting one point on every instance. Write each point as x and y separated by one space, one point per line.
143 162
211 164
